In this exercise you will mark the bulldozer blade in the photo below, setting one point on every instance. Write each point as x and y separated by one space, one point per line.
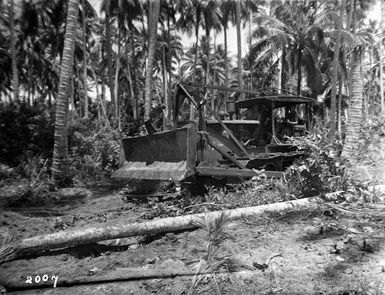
168 155
154 171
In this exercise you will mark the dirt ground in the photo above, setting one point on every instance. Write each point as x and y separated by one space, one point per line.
337 250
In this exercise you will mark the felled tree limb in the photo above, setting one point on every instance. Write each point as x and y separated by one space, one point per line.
71 238
168 269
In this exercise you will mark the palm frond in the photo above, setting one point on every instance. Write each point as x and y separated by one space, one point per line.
267 19
346 37
327 15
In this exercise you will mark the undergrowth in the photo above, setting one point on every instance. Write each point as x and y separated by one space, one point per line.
321 170
257 191
93 150
372 140
25 131
26 145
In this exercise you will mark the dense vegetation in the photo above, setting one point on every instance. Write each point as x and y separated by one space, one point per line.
90 76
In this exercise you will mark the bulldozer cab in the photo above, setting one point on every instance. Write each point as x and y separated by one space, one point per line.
280 117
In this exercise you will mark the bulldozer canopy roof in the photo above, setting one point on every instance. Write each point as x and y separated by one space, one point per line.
278 100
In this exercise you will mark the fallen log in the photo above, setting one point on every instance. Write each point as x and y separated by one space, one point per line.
11 284
168 269
71 238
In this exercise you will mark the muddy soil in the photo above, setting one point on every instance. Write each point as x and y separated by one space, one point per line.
326 252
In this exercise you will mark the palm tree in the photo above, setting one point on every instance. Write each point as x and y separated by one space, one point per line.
356 101
228 11
355 111
107 7
153 15
382 37
335 74
15 74
227 8
206 60
84 58
60 168
369 34
41 41
98 63
191 14
296 31
168 53
239 44
124 12
195 13
211 18
130 11
88 13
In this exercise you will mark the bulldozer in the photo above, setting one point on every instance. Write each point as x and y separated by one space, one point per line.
234 146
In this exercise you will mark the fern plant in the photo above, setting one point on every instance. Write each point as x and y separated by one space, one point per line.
215 227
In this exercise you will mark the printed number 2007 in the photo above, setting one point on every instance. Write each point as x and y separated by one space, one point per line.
42 279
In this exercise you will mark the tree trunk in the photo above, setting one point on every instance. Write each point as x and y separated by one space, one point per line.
382 34
164 87
60 168
299 72
226 66
133 63
355 112
132 94
250 45
283 76
97 93
50 105
15 74
100 97
71 238
149 19
172 270
350 15
213 91
239 45
207 78
73 112
116 84
382 19
84 60
103 86
164 83
352 27
109 56
370 89
169 109
339 110
279 76
380 53
164 73
150 60
335 75
30 82
197 24
354 18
